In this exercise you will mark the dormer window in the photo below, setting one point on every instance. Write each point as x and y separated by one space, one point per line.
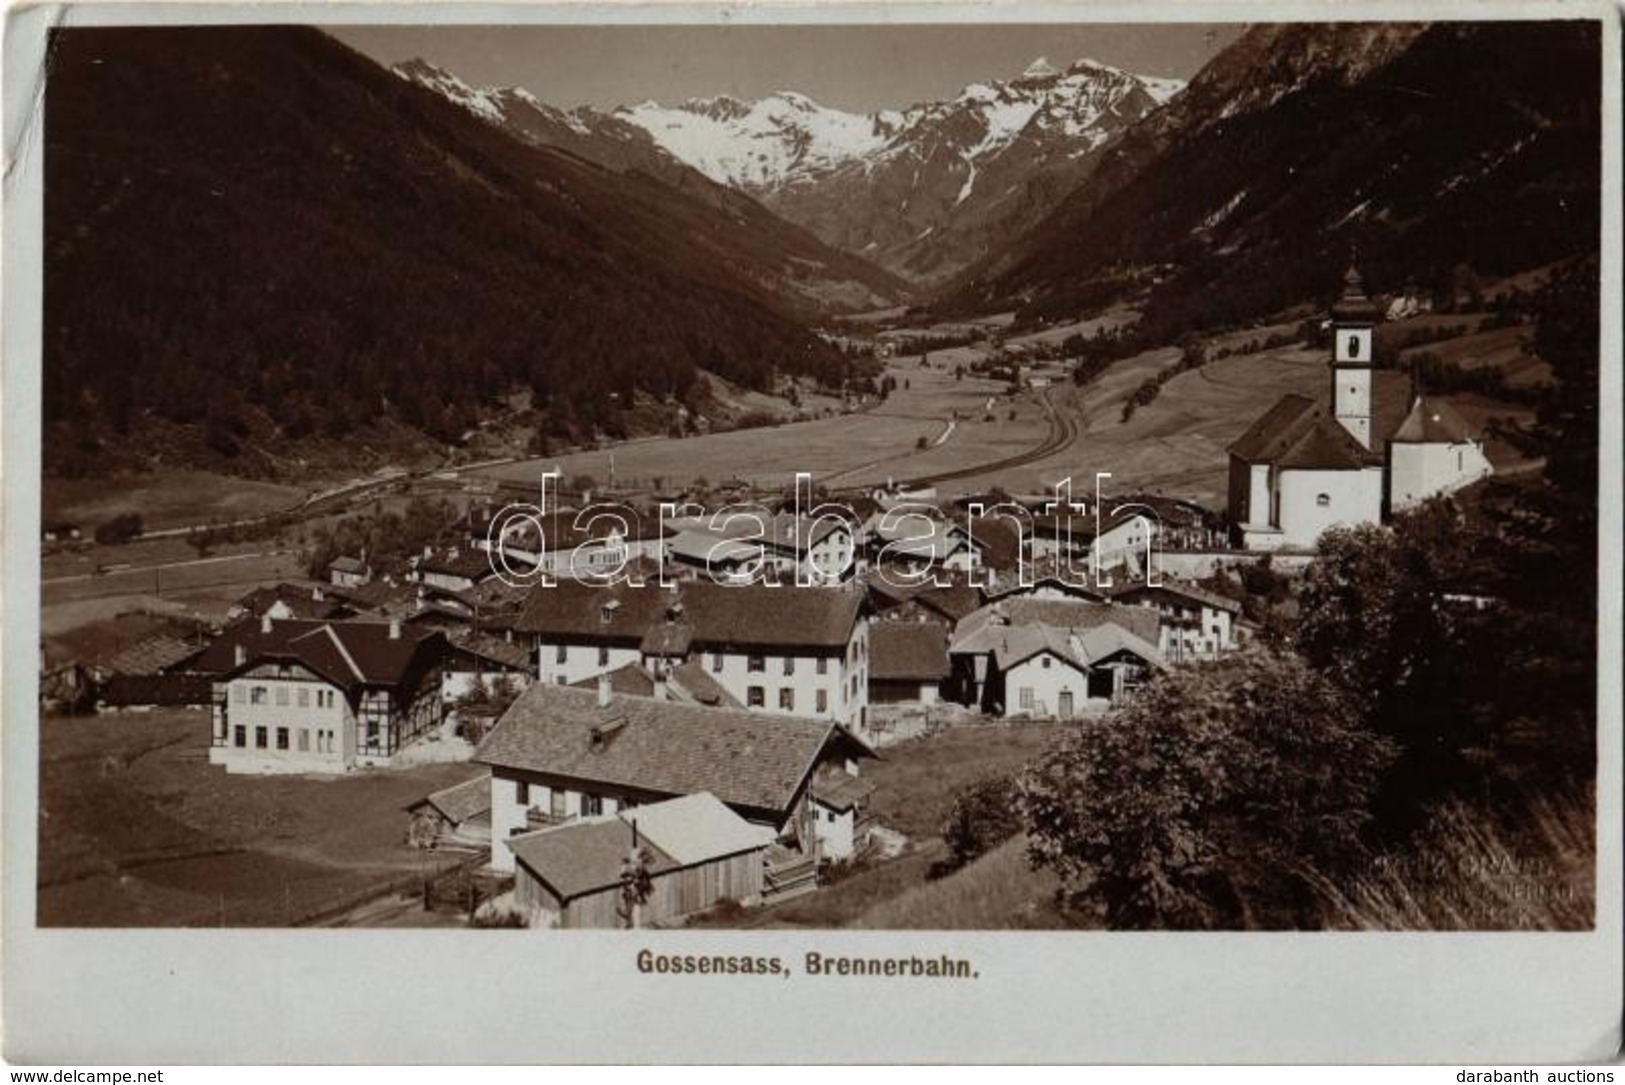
606 612
1323 500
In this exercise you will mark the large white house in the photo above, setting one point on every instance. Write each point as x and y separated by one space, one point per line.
1194 623
1305 466
773 648
315 696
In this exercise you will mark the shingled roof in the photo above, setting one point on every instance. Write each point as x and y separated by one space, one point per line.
1299 433
583 857
750 761
587 856
903 651
461 801
155 655
697 615
1143 622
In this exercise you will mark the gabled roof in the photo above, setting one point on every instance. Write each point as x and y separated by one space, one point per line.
687 683
377 596
999 540
696 828
346 653
691 682
1139 589
152 656
1143 622
704 548
461 801
1080 648
492 649
629 678
588 856
1008 584
1299 433
583 857
751 760
1432 421
571 609
1105 641
908 650
840 791
316 602
344 563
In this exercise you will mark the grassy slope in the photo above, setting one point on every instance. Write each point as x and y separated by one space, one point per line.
915 787
998 891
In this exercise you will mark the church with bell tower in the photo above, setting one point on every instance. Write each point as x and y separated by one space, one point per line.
1354 323
1308 465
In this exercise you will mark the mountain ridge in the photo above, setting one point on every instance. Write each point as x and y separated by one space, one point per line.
195 291
1426 147
921 191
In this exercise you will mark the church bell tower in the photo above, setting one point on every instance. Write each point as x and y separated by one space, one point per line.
1354 319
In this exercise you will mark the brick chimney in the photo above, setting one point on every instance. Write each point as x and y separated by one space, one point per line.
239 655
605 692
265 623
394 629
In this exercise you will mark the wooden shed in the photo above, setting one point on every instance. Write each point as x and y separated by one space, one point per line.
689 853
457 816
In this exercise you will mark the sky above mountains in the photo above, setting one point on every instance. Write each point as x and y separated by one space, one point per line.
858 68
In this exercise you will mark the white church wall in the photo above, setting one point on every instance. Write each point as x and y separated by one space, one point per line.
1419 471
1314 501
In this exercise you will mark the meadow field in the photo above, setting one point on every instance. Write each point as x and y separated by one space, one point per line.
861 448
164 500
137 829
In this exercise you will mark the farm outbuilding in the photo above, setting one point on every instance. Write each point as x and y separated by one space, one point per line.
691 853
457 816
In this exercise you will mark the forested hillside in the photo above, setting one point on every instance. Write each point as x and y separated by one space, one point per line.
1427 149
258 241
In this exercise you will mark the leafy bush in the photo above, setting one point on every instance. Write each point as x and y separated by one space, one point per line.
498 919
983 817
1210 799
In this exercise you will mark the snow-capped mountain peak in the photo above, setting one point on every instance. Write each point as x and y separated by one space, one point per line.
922 188
759 144
483 103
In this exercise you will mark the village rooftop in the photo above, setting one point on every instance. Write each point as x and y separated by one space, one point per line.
749 526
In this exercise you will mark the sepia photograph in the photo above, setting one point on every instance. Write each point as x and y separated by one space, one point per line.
822 617
689 477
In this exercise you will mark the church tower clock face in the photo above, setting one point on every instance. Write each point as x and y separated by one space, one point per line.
1353 345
